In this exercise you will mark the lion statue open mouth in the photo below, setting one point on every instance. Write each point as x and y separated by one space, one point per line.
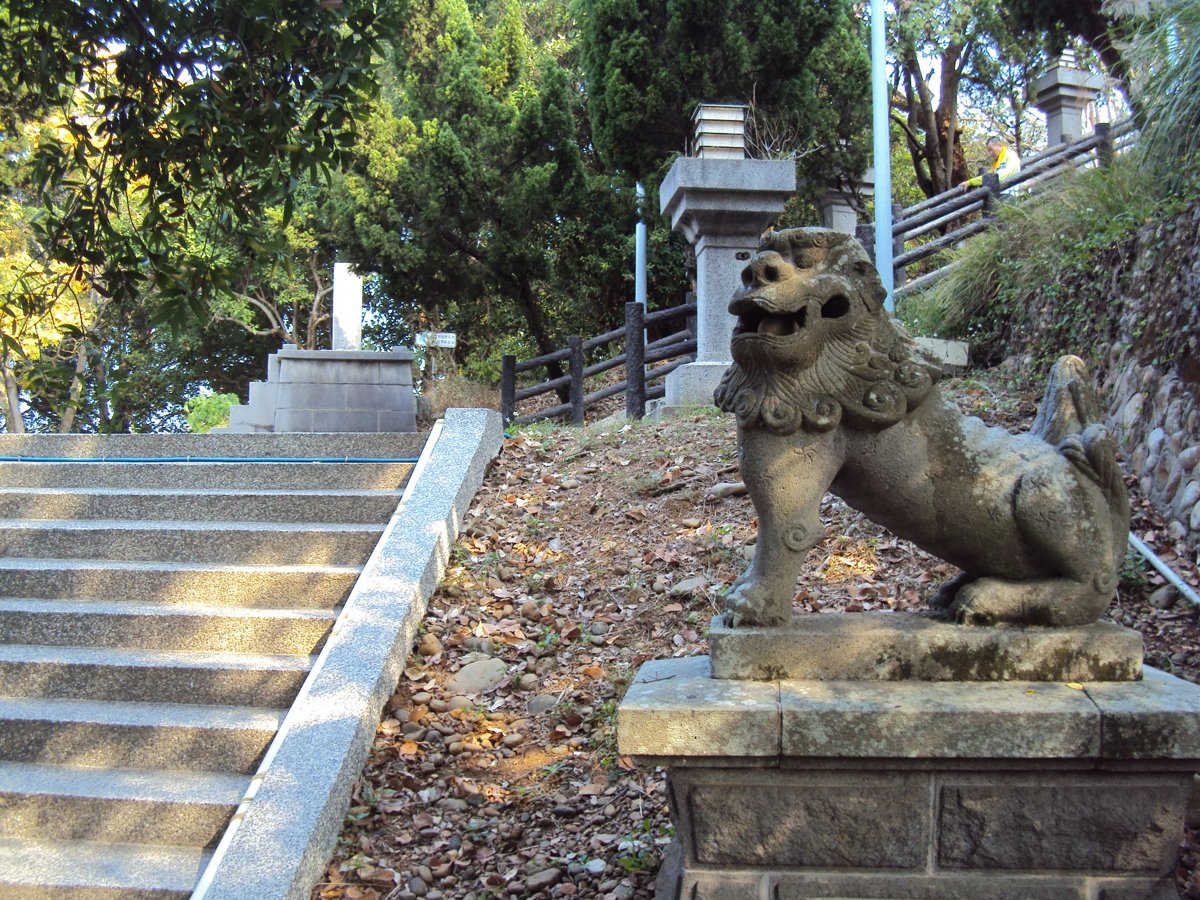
830 395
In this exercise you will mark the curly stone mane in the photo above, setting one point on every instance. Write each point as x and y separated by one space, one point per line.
820 367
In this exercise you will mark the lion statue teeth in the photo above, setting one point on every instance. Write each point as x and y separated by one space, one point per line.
830 395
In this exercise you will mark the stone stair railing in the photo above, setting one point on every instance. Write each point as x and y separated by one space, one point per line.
159 611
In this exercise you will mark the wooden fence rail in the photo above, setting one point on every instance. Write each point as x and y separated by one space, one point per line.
674 349
958 214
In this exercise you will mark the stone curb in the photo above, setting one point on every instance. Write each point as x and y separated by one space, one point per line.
280 840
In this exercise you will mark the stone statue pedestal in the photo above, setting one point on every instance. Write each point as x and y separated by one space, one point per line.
1006 790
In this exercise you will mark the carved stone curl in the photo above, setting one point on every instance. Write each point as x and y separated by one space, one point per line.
831 395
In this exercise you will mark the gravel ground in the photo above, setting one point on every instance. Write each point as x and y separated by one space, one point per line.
494 771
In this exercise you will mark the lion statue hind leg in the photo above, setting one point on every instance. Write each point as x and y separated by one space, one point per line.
1034 601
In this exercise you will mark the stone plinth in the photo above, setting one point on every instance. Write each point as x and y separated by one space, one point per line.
992 791
722 206
889 646
1063 93
331 391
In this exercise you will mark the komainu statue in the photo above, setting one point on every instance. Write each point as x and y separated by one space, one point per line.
830 395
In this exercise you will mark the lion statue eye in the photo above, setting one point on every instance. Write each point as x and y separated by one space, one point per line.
835 307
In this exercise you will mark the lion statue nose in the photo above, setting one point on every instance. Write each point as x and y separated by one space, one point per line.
766 269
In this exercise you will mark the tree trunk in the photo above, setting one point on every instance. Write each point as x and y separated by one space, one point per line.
537 329
12 401
67 420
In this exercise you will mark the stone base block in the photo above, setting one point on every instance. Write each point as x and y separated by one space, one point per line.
903 646
916 790
694 383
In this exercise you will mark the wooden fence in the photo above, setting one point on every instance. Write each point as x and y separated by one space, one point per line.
639 385
956 215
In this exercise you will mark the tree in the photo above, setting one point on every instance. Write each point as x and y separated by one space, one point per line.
973 52
648 65
475 196
1093 21
225 103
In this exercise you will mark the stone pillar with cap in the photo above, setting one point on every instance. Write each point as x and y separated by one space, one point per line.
722 202
1063 92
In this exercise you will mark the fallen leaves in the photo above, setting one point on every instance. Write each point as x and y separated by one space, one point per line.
586 553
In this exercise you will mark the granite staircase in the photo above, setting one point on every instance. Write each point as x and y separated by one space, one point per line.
158 615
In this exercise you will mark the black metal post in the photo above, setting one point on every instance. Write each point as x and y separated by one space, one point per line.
575 343
508 387
635 361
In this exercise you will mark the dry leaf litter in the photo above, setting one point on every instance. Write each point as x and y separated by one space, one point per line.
495 772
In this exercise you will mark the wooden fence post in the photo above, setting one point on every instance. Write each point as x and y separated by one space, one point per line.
1104 153
897 245
635 361
575 343
508 387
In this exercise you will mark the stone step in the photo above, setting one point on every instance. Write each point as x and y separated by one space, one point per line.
85 870
244 543
207 475
135 806
136 735
151 626
154 676
205 505
295 587
141 446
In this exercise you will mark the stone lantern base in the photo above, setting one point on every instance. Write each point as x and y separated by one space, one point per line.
1015 790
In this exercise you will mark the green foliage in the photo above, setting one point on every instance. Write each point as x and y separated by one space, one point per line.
1060 20
1167 49
1038 242
168 114
802 64
1063 234
980 55
209 411
476 195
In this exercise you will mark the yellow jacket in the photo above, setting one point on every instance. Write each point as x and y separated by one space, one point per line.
1006 165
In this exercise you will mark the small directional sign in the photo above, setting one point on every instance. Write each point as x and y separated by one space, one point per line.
447 340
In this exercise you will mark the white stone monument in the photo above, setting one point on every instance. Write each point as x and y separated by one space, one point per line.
347 308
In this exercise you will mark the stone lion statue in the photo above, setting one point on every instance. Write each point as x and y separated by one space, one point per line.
830 395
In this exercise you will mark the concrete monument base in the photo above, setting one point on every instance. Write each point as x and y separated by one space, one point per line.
693 384
330 391
856 789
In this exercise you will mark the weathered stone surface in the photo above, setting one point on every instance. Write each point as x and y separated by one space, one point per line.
903 886
900 646
477 677
1076 822
831 397
762 817
921 720
1158 718
1162 888
673 708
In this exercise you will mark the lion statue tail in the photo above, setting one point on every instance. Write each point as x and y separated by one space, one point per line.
1069 418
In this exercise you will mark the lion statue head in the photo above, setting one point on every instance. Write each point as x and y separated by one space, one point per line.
813 346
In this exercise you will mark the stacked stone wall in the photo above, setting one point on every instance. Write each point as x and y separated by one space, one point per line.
1136 316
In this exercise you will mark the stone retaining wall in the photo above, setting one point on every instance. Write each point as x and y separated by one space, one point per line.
1148 349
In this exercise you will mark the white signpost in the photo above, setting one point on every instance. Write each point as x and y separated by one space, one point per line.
445 340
